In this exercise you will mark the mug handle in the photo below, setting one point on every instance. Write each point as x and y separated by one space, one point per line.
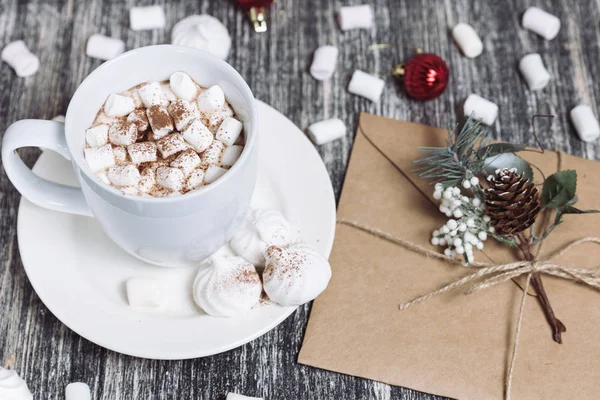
48 135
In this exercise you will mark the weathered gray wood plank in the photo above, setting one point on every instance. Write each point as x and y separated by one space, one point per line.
275 65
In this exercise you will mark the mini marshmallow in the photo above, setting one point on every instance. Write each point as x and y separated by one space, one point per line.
97 136
215 118
145 292
480 108
198 136
118 106
533 70
211 99
77 391
120 154
585 123
235 396
541 22
170 178
103 175
124 175
355 17
143 18
147 180
139 118
183 86
467 39
122 133
183 112
130 190
17 55
187 161
196 179
324 62
142 152
229 131
231 155
167 92
103 47
212 155
99 158
325 131
160 120
213 173
366 85
171 144
152 95
59 118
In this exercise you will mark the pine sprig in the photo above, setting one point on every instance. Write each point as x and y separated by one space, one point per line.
461 159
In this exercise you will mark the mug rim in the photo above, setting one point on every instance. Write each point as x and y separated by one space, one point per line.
248 146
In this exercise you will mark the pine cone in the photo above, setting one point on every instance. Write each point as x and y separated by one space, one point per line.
512 202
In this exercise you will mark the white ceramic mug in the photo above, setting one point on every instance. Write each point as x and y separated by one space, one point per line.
172 231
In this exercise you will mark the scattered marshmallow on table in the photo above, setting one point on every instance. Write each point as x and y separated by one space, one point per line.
229 131
104 47
324 62
97 136
213 173
152 95
12 386
355 17
235 396
325 131
99 158
170 178
59 118
533 70
541 22
468 40
18 56
585 123
123 175
366 85
197 135
480 108
202 32
231 155
78 391
118 106
142 18
211 99
145 292
183 86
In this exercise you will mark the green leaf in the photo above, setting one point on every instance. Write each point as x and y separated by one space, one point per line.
499 148
573 210
507 160
559 189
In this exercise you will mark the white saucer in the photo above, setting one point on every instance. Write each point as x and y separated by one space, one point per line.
79 273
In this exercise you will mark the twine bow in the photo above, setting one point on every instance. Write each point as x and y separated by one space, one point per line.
488 275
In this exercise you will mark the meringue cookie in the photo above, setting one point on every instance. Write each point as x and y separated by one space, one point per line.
227 286
260 229
295 274
12 386
203 32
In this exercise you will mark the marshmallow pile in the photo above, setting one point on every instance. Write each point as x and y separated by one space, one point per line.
293 274
162 139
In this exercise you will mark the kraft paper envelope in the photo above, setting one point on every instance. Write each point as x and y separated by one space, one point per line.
451 345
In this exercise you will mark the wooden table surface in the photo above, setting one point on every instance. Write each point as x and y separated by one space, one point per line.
49 356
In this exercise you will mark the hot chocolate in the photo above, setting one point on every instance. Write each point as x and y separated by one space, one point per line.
162 139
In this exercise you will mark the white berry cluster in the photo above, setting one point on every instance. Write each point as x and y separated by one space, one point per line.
467 228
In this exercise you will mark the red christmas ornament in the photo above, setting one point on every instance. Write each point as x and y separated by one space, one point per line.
425 76
257 10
